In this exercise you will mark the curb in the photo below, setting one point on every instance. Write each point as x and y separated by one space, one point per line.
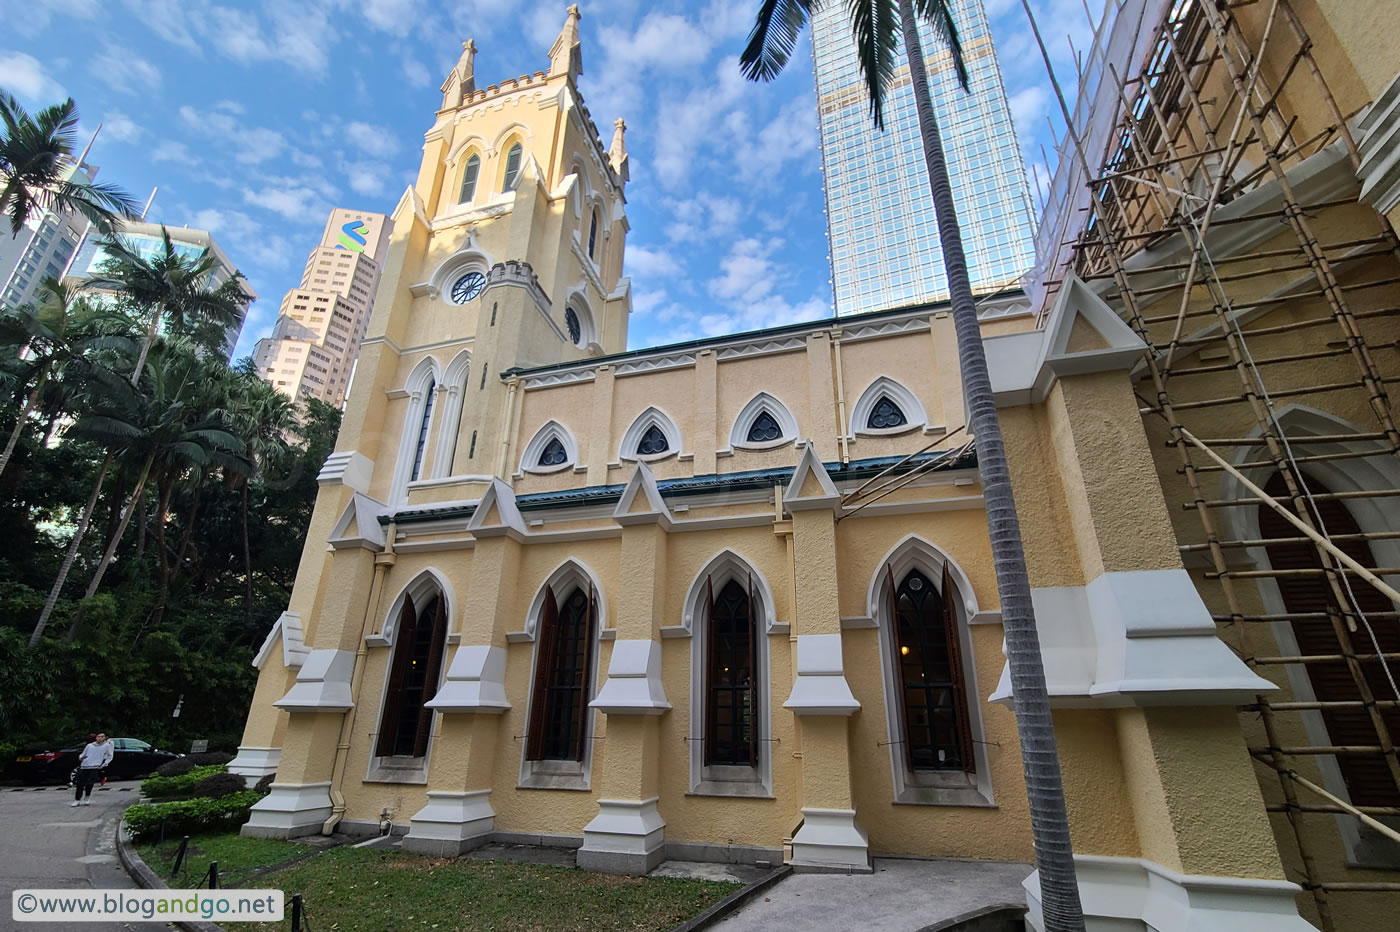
733 901
147 879
995 918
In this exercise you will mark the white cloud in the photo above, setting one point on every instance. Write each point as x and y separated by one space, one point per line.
392 16
23 76
299 35
662 40
231 106
252 145
292 200
651 263
243 238
372 140
366 177
30 19
415 73
747 273
120 127
123 70
790 137
1027 106
170 151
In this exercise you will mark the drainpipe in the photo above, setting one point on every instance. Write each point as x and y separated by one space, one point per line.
841 437
507 430
382 562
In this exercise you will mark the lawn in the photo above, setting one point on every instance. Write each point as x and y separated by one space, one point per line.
352 889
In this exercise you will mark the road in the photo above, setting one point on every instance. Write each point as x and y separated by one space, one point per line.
47 844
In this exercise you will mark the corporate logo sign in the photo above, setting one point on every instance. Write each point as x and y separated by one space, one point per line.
352 236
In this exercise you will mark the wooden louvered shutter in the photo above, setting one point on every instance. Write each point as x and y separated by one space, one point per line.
398 668
1367 777
545 634
898 667
431 673
950 631
709 667
754 633
586 690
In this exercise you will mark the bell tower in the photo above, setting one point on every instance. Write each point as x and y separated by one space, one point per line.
507 248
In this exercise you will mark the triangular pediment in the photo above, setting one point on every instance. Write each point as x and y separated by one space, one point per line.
810 486
359 525
1081 323
641 500
497 514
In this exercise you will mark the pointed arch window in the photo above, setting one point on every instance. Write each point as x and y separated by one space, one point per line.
414 671
764 428
886 414
469 176
512 166
932 696
563 674
429 394
553 453
593 235
731 672
653 442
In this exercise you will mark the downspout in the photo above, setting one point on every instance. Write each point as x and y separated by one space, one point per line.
382 562
508 428
841 433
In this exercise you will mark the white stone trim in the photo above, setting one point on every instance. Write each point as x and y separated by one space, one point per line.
1379 145
362 515
563 579
453 390
749 413
810 465
430 581
290 810
914 414
471 257
830 840
551 430
642 483
820 687
350 468
726 565
475 682
415 386
255 763
1126 894
632 829
452 817
651 417
500 498
1134 638
323 684
633 685
578 300
288 628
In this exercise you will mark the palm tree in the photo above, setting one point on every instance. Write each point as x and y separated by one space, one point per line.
878 26
169 286
35 152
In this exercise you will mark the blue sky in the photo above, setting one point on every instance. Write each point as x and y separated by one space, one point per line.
254 118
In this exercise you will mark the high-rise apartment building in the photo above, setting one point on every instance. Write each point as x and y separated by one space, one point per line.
43 248
147 239
317 336
880 219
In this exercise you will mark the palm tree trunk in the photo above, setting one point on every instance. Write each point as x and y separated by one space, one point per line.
1040 762
19 424
151 329
189 530
247 560
111 551
163 590
141 527
72 553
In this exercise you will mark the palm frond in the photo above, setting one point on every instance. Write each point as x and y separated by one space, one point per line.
939 14
774 36
875 26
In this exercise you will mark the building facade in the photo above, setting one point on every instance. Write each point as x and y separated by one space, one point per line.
148 240
734 599
316 339
44 248
881 226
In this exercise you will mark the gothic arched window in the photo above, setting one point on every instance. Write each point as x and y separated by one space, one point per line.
886 414
429 393
405 725
653 442
512 166
931 689
731 694
764 428
469 176
593 235
563 665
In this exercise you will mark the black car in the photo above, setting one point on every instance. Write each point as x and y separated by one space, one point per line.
131 758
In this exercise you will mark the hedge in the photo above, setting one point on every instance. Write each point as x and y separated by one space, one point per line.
182 785
191 816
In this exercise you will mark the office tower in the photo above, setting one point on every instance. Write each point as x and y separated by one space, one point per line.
883 232
147 240
317 336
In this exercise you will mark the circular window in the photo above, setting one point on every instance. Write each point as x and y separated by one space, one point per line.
571 321
468 287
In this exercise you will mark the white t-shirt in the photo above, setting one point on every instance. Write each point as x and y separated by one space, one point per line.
96 755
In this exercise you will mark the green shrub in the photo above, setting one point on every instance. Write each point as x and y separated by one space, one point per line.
190 816
209 757
219 784
175 768
171 787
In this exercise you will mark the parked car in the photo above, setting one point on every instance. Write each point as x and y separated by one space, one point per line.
131 758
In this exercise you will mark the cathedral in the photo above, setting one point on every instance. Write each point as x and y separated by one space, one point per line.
733 599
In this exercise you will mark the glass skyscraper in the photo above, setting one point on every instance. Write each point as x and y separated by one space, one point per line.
880 220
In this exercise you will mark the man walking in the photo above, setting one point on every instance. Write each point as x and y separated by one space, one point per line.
91 762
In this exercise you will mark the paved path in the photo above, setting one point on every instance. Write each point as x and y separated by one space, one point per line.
47 844
900 896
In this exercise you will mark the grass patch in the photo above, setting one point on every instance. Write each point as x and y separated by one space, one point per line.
236 856
350 889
